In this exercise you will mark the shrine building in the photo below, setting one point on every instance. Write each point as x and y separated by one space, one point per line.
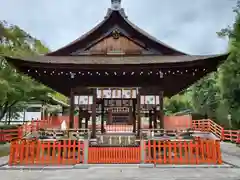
117 73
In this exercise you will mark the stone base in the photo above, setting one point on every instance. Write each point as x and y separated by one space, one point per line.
81 166
146 165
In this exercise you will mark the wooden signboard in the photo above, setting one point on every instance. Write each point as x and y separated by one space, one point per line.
149 99
83 100
117 93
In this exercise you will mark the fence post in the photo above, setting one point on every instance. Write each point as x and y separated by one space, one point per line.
142 150
222 134
209 126
218 152
142 155
84 164
238 137
86 144
231 137
20 132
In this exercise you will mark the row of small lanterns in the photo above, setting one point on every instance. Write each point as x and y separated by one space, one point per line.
160 73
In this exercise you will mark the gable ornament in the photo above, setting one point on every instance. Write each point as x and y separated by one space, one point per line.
115 34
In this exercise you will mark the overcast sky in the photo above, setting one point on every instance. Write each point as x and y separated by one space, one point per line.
187 25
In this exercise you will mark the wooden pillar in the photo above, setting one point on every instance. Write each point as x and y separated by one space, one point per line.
138 114
134 115
94 106
102 117
110 117
150 119
161 116
71 116
130 116
154 118
87 117
80 118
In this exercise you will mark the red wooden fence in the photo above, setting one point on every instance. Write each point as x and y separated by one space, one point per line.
183 152
157 152
46 153
181 122
7 135
232 135
210 126
114 155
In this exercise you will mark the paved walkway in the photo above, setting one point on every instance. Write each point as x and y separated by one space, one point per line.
129 173
4 160
230 154
230 149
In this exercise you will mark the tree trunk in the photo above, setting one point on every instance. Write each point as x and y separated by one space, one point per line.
9 115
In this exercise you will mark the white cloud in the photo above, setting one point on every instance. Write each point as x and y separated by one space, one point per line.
187 25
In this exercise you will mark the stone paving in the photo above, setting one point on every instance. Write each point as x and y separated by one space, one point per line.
3 160
128 173
230 149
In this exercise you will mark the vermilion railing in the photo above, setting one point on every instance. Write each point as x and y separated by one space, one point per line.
201 125
183 152
7 135
232 135
205 125
114 155
26 152
210 126
46 153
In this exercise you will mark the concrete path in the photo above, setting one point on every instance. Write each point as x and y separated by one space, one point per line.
128 173
3 161
231 149
230 154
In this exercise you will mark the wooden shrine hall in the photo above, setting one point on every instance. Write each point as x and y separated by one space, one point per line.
118 72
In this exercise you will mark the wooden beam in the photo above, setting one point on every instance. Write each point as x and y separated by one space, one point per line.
161 116
80 118
71 116
83 91
151 90
94 106
134 115
102 117
86 121
138 114
154 118
150 119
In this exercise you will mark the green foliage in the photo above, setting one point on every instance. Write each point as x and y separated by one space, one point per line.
229 73
205 95
218 94
16 89
176 104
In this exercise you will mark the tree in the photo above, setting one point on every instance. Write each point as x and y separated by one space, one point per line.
205 95
176 104
17 89
229 76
